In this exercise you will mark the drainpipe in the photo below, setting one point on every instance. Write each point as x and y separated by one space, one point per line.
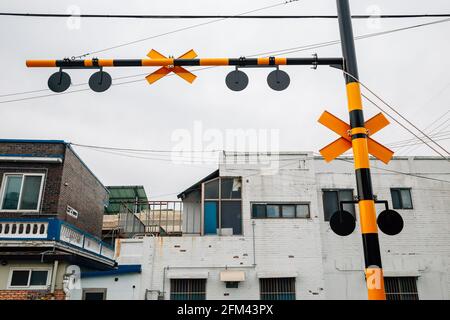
254 245
164 282
54 274
153 262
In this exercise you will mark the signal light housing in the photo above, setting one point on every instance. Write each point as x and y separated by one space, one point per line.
278 80
390 222
100 81
342 223
236 80
59 81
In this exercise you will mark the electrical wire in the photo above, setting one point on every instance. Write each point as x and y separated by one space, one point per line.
405 143
413 144
404 127
276 53
190 16
364 36
173 156
400 115
181 29
400 172
433 132
290 161
139 150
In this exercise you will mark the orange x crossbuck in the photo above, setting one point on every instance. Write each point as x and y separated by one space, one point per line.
344 143
164 71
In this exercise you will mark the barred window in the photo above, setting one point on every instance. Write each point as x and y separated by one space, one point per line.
401 288
277 288
187 289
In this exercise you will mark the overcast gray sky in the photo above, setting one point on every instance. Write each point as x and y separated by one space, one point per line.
410 69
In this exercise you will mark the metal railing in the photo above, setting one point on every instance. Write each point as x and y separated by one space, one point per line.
52 229
161 218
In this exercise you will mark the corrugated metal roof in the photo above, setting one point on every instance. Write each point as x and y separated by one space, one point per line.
127 192
120 195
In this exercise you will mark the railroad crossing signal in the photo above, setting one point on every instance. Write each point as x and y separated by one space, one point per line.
344 143
236 80
355 135
165 70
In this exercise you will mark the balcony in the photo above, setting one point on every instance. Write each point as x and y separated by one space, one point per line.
21 232
159 218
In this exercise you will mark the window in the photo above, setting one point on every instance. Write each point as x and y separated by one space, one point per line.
280 210
21 191
277 288
332 198
401 198
187 289
94 294
222 206
401 288
29 278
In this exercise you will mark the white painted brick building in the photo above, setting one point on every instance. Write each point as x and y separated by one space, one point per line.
303 251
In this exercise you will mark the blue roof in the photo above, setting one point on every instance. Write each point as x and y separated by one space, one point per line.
121 269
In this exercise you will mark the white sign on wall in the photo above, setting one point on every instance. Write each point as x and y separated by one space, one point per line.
72 212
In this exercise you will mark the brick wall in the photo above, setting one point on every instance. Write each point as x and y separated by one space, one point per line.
327 266
31 295
83 192
68 183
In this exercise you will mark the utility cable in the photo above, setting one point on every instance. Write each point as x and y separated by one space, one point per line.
399 114
211 16
278 52
181 29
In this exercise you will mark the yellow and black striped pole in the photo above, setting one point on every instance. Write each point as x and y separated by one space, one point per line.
239 62
359 136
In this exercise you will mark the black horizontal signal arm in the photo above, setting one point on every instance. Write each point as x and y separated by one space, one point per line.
265 61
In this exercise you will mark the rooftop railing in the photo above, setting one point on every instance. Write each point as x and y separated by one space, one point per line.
161 218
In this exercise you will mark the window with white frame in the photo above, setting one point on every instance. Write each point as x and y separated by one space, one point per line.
21 191
36 278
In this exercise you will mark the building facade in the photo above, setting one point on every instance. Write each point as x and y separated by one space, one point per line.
258 229
51 212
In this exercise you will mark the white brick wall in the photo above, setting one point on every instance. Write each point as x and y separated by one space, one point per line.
328 266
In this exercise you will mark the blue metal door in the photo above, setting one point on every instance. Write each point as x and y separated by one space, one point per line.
211 217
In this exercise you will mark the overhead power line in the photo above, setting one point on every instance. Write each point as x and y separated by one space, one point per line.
438 130
275 53
401 116
190 16
406 128
399 172
186 28
139 150
104 149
